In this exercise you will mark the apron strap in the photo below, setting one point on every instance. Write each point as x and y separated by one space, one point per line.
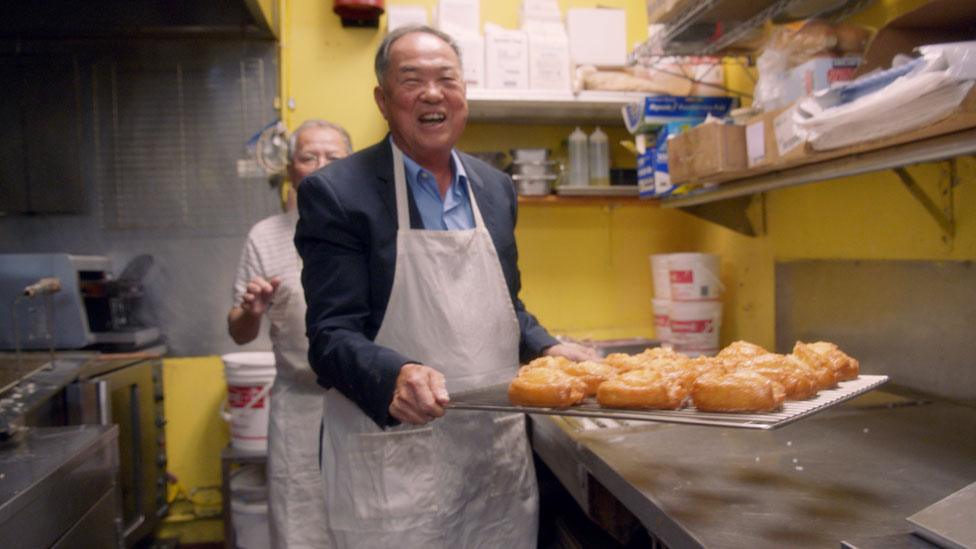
400 184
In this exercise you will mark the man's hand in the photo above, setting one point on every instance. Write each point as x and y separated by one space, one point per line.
419 396
572 351
257 297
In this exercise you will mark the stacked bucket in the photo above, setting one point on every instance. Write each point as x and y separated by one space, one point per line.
687 306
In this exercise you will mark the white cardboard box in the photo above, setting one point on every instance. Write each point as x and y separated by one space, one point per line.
401 16
549 67
472 58
464 15
597 36
506 58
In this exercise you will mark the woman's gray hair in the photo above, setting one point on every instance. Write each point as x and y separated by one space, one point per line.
316 123
382 62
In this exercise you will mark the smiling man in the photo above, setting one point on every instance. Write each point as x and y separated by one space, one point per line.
411 277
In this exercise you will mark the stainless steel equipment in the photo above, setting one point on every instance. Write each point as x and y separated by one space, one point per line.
852 472
85 388
495 398
128 393
58 488
949 521
91 308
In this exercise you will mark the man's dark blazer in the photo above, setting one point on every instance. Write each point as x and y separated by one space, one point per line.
346 237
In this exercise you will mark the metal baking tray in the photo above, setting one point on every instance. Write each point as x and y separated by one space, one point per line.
495 398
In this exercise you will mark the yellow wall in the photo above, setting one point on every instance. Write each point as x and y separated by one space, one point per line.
584 267
195 435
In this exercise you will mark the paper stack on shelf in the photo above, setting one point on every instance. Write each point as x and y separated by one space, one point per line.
861 111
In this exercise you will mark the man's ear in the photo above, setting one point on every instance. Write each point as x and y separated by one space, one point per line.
380 99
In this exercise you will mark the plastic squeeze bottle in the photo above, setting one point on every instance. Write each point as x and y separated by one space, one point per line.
579 170
599 158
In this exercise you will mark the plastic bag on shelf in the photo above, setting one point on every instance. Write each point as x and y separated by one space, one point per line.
923 91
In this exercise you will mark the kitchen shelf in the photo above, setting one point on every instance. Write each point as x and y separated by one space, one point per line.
732 203
835 165
556 200
548 106
737 20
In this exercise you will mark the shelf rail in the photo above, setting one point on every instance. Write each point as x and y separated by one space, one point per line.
932 149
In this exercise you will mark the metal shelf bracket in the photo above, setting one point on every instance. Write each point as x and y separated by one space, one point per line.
742 214
941 210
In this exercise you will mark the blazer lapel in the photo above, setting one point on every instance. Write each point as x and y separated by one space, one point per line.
386 190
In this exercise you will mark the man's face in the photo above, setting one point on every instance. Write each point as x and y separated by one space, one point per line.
315 148
422 96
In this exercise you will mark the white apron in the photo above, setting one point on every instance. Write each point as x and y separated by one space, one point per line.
297 503
463 480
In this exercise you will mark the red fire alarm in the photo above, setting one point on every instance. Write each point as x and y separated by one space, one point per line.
359 13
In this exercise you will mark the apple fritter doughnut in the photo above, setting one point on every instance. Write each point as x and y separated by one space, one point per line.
545 387
741 349
847 368
549 362
798 381
589 372
642 389
827 375
824 378
623 362
739 391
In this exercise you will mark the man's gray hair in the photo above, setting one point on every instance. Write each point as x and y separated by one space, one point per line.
382 62
316 123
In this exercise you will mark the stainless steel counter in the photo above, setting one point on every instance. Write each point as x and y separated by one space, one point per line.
59 488
854 472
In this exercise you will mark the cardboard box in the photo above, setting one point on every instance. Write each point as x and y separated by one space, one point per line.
548 58
401 16
654 111
472 57
597 36
819 73
936 22
645 173
506 58
771 139
705 151
463 15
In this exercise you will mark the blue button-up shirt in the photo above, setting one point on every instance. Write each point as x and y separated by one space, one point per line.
453 212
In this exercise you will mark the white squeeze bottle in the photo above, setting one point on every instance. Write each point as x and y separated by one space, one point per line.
599 158
579 171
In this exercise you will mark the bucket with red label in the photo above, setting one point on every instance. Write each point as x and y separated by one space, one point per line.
694 277
695 327
249 379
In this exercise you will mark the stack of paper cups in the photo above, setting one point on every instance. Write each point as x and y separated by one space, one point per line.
687 310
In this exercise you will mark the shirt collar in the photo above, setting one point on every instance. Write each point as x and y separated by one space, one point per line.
459 178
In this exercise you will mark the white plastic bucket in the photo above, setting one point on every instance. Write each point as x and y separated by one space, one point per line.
249 378
249 507
660 277
251 527
662 319
694 277
695 326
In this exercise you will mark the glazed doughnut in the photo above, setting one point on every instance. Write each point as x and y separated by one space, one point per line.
740 391
623 362
549 362
825 372
741 349
545 387
589 372
846 367
824 378
643 389
798 381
